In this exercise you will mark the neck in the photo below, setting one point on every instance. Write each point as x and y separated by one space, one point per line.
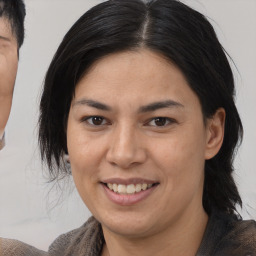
179 240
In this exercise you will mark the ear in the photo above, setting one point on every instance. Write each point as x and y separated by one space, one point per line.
215 133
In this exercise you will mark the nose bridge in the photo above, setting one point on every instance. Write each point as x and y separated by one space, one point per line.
125 149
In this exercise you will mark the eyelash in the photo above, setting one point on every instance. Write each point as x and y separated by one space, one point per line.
90 118
166 121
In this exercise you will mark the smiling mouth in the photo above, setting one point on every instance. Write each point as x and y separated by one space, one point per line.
129 189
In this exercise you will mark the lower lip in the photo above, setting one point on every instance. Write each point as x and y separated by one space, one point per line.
126 200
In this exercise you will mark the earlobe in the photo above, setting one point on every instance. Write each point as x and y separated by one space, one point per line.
215 133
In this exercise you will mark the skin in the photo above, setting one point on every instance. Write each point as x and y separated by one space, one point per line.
8 70
129 143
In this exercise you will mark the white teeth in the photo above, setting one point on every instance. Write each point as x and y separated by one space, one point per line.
144 186
138 188
128 189
121 189
110 186
115 189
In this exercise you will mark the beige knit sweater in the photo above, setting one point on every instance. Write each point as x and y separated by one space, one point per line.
84 241
225 235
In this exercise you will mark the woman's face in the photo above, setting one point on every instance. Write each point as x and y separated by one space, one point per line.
137 144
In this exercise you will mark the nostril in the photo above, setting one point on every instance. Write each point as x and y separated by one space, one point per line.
126 158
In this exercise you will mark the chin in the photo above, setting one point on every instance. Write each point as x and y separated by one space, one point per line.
128 225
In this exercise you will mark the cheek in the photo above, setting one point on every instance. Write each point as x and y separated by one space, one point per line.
82 159
8 70
83 167
85 154
77 150
78 144
182 158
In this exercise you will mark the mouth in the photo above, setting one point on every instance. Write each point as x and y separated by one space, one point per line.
129 189
127 192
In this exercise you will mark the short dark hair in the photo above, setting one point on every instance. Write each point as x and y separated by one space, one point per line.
180 34
15 12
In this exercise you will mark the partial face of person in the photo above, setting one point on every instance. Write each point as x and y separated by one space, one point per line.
137 144
8 58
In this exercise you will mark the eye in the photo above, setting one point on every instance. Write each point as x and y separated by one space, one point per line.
95 120
160 121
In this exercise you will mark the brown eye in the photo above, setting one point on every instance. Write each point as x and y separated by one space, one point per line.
96 120
160 121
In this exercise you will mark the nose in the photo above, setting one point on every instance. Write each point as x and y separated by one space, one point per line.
125 149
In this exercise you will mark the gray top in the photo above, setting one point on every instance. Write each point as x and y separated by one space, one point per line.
225 235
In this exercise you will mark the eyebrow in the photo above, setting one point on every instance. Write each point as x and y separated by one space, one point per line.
147 108
159 105
92 103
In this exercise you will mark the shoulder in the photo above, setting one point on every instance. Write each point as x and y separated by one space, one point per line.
10 247
240 238
243 229
226 234
86 240
236 237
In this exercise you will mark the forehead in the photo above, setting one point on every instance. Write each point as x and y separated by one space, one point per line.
130 67
143 76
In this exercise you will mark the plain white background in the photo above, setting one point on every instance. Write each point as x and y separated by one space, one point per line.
33 211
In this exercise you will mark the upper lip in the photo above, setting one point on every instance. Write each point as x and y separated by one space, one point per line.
129 181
